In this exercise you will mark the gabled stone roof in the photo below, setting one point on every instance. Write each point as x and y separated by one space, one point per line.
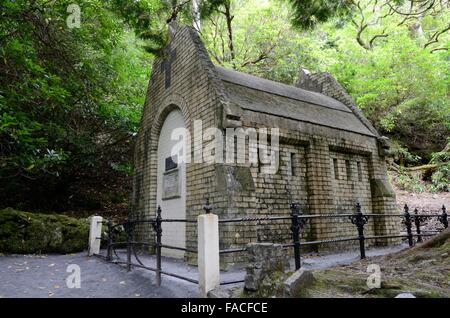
265 96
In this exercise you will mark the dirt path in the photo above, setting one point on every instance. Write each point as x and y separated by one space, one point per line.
429 202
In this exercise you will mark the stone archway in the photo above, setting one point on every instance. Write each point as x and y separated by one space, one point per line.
171 185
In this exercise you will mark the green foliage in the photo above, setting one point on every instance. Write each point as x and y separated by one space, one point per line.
402 89
308 13
441 177
401 85
402 155
124 167
408 182
70 99
264 43
149 18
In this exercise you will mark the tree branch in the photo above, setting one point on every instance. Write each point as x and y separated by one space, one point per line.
376 37
435 37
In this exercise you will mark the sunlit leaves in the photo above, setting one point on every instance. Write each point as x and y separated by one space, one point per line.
61 88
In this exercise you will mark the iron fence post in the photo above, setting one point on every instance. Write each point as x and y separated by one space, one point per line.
359 219
158 245
417 220
207 207
109 248
443 218
295 228
128 230
408 225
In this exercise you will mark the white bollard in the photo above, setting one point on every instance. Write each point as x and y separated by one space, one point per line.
95 232
208 253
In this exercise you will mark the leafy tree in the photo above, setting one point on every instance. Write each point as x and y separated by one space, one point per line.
402 88
264 44
367 17
401 85
150 18
309 13
70 99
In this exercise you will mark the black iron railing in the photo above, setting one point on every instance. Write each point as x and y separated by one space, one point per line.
358 219
131 245
297 225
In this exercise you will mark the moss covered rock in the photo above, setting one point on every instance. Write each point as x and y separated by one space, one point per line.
24 233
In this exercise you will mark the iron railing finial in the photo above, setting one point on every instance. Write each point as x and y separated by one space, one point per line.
207 207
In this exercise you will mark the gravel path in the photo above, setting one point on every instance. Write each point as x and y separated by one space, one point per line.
45 275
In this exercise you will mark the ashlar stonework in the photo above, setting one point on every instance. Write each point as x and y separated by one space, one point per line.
330 156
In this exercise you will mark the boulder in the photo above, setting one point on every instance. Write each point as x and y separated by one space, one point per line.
296 285
265 259
26 233
219 292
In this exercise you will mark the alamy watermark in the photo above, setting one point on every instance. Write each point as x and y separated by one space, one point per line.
74 279
374 279
74 18
247 146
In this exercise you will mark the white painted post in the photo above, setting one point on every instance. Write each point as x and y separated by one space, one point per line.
95 233
208 253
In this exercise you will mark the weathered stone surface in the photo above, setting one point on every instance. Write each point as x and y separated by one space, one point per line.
325 83
264 259
220 292
381 188
297 283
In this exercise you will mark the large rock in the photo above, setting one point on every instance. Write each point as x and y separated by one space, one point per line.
297 284
219 292
225 292
267 261
25 233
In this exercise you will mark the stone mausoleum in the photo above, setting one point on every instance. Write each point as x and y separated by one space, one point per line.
329 155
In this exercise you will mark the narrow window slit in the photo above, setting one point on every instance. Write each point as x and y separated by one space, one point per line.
336 168
358 164
293 172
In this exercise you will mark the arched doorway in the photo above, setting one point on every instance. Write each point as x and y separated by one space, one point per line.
171 186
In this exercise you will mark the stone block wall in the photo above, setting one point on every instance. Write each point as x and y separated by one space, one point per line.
194 90
317 188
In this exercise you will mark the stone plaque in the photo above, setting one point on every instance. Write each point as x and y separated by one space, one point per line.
171 163
171 185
